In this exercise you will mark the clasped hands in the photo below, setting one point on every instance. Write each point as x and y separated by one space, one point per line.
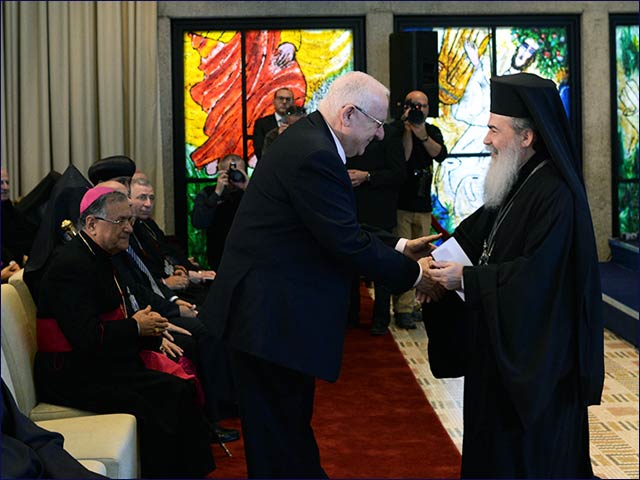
152 324
437 277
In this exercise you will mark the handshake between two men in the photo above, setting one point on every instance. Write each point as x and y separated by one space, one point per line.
437 277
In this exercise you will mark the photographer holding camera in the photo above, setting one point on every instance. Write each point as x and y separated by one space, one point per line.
215 207
422 143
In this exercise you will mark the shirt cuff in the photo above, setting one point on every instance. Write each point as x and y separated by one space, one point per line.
402 243
419 277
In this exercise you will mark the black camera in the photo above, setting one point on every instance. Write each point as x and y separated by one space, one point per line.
415 114
235 175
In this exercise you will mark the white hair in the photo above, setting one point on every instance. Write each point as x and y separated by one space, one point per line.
356 88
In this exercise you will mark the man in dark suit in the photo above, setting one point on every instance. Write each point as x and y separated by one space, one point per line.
281 295
282 99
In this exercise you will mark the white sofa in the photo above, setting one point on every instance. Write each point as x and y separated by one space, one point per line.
107 444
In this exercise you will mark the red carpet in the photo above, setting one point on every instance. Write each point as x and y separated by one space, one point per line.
374 422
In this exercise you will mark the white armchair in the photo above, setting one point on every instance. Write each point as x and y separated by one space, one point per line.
106 444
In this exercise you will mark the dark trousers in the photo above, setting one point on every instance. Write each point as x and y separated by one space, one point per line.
276 407
381 304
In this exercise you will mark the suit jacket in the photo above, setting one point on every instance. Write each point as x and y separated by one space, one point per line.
282 289
377 199
261 127
153 247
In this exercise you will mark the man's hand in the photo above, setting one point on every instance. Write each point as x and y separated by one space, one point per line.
447 274
186 309
150 323
188 312
358 177
241 185
420 247
419 130
9 270
170 349
175 329
201 275
177 282
428 289
223 181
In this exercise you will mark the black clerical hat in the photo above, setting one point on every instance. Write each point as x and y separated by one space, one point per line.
111 167
507 97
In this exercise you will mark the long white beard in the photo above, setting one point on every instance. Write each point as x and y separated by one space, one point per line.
502 174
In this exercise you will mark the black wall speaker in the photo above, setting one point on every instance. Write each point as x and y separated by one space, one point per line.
413 65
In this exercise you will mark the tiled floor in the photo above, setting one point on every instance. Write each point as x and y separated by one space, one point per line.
613 425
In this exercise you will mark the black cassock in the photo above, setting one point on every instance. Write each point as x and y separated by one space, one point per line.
519 338
103 372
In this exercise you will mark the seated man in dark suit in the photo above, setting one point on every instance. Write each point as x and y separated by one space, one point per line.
282 99
165 260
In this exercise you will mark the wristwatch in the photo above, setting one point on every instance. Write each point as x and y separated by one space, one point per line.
424 139
368 176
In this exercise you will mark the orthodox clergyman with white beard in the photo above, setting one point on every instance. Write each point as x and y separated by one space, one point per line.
528 336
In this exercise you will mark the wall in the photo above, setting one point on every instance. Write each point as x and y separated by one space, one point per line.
379 24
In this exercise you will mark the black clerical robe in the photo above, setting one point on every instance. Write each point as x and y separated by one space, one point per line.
100 368
17 234
516 337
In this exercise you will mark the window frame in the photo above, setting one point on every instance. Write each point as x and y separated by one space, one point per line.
178 28
616 20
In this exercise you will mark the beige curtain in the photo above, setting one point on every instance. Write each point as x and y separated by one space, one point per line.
79 83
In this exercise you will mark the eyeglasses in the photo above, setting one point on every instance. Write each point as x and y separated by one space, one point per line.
122 221
378 122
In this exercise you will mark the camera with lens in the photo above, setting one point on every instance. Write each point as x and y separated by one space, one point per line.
235 175
415 114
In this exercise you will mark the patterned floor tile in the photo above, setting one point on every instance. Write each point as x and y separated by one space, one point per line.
613 424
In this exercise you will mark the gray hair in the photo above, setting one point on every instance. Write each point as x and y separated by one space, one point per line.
355 87
520 124
99 207
143 182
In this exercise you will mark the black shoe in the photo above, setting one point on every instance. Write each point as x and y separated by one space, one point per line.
405 320
378 330
379 327
225 435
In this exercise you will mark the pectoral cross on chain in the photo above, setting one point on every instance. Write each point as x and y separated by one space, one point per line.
486 253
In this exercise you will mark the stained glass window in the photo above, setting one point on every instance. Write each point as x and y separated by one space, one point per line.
229 80
625 134
469 54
